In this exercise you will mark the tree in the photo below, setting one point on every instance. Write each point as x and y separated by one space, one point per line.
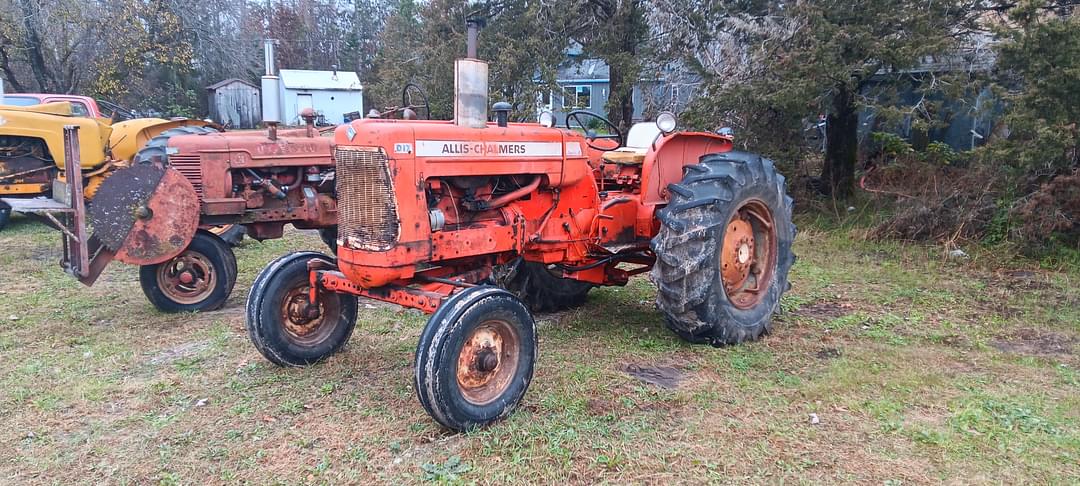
614 31
1039 63
422 40
827 53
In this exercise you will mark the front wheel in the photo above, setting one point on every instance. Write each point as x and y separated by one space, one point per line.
475 358
198 279
282 322
724 249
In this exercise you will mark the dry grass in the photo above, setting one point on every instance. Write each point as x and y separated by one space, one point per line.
919 371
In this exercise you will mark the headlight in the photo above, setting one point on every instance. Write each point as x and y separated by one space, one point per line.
547 119
666 122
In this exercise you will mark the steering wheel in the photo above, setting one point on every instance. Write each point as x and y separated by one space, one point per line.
590 135
410 91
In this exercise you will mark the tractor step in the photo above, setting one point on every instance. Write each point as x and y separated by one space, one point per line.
37 205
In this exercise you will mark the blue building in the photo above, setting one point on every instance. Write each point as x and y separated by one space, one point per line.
583 83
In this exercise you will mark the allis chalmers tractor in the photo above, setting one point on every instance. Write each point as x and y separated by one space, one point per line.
432 213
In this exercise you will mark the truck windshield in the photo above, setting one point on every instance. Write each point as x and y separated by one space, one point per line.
19 100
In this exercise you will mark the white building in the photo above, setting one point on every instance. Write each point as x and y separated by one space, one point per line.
331 94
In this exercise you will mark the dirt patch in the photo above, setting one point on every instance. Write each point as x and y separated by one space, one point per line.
825 311
668 377
828 353
186 350
1037 343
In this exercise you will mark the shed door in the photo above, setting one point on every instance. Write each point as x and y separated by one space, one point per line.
303 101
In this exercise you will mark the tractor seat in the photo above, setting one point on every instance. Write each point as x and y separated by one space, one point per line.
625 156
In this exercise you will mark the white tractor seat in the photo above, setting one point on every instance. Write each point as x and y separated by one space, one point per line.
638 141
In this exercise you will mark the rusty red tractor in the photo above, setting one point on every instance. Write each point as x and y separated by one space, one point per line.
164 210
481 223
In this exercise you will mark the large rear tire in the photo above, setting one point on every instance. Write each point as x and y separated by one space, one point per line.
282 324
475 358
5 215
543 291
233 234
198 279
329 237
724 249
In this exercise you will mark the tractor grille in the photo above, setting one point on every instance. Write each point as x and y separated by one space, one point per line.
367 210
190 167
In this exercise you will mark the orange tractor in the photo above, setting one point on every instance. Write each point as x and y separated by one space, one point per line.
480 223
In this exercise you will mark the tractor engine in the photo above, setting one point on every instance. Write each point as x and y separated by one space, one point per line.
488 195
252 179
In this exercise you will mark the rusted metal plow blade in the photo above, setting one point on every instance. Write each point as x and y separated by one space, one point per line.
145 213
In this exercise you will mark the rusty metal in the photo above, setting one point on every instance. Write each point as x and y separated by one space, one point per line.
78 254
749 254
190 166
736 252
305 322
488 361
367 212
189 278
146 214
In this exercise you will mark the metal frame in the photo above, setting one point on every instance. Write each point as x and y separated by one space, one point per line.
83 256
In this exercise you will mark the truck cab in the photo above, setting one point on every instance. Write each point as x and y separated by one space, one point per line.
83 106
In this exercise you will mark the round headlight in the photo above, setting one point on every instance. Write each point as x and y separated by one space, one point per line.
666 122
547 119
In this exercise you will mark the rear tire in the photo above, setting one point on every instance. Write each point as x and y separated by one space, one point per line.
491 332
276 320
730 210
233 234
198 279
5 215
542 291
329 236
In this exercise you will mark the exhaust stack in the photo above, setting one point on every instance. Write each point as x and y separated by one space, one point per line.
471 83
271 88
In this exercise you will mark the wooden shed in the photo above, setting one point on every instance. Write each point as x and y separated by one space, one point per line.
235 103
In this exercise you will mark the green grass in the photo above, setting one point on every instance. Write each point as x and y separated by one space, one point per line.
919 369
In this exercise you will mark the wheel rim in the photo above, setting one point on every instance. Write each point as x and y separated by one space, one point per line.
308 324
748 255
488 361
187 279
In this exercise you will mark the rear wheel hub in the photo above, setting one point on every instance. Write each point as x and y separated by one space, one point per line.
748 255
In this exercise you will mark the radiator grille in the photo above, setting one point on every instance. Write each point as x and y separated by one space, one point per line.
367 210
190 167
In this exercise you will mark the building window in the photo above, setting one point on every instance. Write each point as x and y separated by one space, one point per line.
577 97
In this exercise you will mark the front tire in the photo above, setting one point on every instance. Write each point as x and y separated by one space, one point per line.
724 249
198 279
475 358
280 321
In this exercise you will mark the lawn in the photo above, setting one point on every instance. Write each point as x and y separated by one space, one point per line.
889 364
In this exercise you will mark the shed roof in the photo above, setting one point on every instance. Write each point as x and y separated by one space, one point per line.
330 80
229 81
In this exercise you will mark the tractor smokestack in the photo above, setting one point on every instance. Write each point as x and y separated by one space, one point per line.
271 89
473 26
471 82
